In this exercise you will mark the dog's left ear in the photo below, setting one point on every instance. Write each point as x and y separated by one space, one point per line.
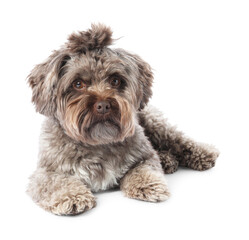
145 79
43 80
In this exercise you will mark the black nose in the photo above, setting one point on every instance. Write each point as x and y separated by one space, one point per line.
103 107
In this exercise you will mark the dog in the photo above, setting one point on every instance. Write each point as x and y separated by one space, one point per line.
100 131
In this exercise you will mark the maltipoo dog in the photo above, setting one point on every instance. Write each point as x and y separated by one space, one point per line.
99 132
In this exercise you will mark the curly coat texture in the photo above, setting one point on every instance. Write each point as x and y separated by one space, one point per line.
99 132
97 37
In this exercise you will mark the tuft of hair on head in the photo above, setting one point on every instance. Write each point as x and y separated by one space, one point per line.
97 37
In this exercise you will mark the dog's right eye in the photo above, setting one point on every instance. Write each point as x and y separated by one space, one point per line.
79 85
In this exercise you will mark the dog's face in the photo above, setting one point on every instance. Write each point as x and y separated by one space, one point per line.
93 91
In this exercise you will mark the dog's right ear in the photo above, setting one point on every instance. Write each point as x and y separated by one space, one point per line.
43 80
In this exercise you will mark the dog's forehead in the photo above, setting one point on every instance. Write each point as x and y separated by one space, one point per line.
96 66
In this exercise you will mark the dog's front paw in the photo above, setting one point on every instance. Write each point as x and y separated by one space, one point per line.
148 186
73 204
201 157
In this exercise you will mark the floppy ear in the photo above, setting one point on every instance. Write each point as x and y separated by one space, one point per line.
145 79
43 80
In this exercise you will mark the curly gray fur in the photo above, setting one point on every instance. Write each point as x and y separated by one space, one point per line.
85 148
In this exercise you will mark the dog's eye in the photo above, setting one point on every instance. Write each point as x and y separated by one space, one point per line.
115 82
79 84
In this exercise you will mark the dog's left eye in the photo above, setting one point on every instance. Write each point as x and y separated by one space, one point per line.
115 82
79 84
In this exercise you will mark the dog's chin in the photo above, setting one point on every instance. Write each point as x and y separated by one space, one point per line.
104 132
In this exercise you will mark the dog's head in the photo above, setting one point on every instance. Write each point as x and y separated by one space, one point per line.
94 91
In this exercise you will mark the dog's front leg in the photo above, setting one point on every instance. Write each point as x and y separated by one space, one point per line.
146 182
60 194
173 146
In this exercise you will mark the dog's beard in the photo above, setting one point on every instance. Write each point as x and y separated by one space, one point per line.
104 131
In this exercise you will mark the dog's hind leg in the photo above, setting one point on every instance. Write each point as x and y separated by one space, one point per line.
60 194
172 145
168 161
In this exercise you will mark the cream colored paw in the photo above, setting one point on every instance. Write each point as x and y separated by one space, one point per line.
147 186
73 204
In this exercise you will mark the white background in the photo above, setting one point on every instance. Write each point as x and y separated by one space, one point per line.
199 51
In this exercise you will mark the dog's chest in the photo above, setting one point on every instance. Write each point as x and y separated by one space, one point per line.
103 167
